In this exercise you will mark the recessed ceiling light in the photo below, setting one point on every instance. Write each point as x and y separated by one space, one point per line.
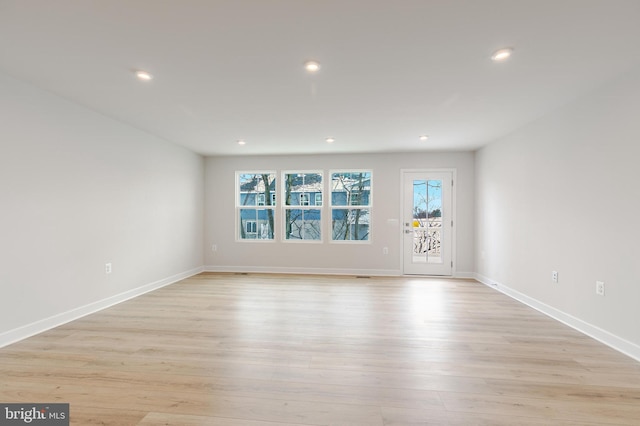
241 142
312 66
143 75
502 54
330 140
424 137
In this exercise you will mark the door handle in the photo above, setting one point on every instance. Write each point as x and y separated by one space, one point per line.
408 231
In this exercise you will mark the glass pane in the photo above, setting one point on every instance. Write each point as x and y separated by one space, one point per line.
427 221
351 189
302 189
350 224
256 189
256 224
302 224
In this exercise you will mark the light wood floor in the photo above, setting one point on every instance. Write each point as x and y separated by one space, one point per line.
223 349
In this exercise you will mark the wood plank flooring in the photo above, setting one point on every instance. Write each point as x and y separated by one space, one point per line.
261 350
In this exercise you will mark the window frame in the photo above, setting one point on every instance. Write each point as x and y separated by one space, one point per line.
256 206
350 206
307 207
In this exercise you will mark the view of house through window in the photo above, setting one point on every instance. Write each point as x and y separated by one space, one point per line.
302 205
300 215
255 205
350 205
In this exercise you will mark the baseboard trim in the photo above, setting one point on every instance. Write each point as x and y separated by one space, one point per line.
619 344
465 275
12 336
310 271
325 271
21 333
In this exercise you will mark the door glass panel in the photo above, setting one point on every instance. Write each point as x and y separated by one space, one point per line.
427 220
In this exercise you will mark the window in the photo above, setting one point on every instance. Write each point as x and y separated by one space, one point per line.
302 222
261 199
350 205
301 212
255 205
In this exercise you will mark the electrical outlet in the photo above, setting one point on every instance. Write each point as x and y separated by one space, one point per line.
600 288
554 276
214 247
107 268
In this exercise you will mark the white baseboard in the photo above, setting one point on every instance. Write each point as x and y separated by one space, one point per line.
619 344
628 348
312 271
465 275
45 324
325 271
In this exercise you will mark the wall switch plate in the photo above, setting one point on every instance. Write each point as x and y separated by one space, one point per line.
107 268
385 250
214 247
600 288
554 276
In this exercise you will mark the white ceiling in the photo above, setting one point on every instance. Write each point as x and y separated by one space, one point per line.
391 70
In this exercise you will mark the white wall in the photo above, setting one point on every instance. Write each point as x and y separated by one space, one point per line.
563 193
330 257
77 190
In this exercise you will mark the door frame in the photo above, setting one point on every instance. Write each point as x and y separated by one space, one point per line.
454 177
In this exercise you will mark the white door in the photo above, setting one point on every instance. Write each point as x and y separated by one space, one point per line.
427 222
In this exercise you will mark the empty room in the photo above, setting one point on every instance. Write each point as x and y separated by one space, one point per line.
286 212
